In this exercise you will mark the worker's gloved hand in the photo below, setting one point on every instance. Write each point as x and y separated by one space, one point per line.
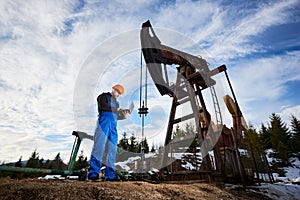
123 113
126 113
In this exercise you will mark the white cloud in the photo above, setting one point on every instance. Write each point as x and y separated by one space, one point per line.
261 84
233 39
265 78
287 112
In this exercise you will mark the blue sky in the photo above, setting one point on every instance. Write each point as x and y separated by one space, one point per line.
57 56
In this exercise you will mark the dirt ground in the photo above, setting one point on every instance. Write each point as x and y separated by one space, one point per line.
73 189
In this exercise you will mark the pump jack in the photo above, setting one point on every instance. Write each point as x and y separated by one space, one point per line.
193 77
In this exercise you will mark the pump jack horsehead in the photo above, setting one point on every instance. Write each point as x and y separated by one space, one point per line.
193 77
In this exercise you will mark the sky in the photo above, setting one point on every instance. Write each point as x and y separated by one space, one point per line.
57 56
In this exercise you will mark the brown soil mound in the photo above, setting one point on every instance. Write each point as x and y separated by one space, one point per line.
72 189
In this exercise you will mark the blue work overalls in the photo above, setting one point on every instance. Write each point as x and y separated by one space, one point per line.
105 133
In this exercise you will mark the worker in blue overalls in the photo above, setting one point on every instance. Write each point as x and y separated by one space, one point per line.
106 134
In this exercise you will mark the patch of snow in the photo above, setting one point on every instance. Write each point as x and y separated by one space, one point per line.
243 152
296 180
124 164
177 156
150 155
72 177
52 177
189 166
153 171
273 191
180 155
282 191
292 172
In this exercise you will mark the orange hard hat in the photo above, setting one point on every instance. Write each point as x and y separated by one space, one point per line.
120 88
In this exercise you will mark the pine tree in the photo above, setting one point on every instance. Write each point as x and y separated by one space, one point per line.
145 144
160 149
295 130
41 163
280 138
81 162
12 175
123 143
152 149
182 145
33 161
19 163
47 164
187 145
57 163
178 132
252 140
255 151
265 137
189 129
133 146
